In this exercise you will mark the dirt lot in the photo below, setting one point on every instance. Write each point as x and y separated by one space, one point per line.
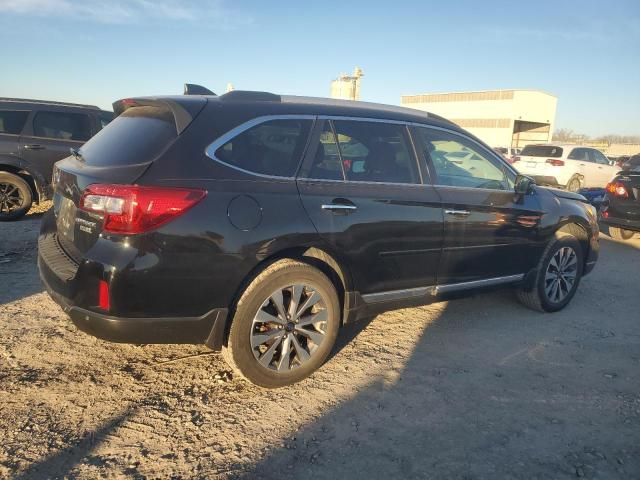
473 388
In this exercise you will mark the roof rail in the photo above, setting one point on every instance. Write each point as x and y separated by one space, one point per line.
250 96
47 102
194 89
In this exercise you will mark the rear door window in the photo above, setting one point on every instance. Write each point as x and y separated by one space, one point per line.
375 152
579 154
62 126
12 121
136 136
273 148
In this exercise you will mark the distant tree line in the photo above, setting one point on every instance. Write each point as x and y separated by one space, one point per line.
568 135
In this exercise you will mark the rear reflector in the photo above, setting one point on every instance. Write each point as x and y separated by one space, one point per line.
617 189
103 295
555 162
132 209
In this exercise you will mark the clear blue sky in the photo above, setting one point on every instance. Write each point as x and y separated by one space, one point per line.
587 53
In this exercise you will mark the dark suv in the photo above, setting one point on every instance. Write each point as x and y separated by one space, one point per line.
258 224
621 205
35 134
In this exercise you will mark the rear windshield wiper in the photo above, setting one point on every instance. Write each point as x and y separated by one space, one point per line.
76 154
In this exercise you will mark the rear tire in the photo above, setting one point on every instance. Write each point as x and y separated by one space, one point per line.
557 276
15 197
574 184
285 325
620 233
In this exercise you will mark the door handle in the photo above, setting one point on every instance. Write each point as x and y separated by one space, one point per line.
582 164
33 146
337 207
458 213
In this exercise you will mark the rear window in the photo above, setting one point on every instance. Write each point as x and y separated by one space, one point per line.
139 135
62 126
549 151
12 121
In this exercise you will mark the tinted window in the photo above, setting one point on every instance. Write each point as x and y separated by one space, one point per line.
599 157
632 164
579 154
326 163
271 148
375 152
12 121
139 135
459 162
104 118
549 151
62 126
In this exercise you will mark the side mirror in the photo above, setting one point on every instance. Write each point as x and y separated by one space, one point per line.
524 185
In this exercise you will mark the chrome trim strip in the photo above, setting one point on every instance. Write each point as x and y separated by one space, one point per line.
211 149
338 207
487 282
411 293
362 182
392 295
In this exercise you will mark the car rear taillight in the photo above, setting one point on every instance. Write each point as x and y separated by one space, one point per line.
555 162
131 209
515 159
617 189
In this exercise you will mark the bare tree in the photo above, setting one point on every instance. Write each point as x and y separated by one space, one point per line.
564 135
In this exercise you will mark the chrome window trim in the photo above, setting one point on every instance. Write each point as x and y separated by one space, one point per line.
224 138
211 149
461 134
410 147
362 182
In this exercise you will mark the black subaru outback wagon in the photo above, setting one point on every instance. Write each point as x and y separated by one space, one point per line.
258 224
34 134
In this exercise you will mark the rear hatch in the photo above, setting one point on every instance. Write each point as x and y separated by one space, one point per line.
119 154
537 157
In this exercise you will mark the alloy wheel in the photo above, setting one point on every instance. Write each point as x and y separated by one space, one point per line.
289 327
10 198
561 274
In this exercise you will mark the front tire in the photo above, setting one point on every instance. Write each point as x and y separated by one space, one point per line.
285 325
620 233
15 197
557 276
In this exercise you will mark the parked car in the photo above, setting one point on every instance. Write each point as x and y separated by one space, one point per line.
621 206
567 166
509 153
631 163
259 224
35 134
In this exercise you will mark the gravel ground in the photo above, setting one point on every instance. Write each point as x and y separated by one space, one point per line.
472 388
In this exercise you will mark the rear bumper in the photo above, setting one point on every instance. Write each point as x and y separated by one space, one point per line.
208 329
546 181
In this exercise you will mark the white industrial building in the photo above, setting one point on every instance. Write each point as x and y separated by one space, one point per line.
347 87
501 118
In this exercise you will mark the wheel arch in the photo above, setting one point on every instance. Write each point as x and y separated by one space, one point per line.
18 167
317 256
576 228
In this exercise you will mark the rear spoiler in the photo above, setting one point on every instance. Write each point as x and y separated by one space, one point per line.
184 109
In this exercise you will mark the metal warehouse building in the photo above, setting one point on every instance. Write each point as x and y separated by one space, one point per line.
502 118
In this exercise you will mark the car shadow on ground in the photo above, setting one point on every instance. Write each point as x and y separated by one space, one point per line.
515 404
60 464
